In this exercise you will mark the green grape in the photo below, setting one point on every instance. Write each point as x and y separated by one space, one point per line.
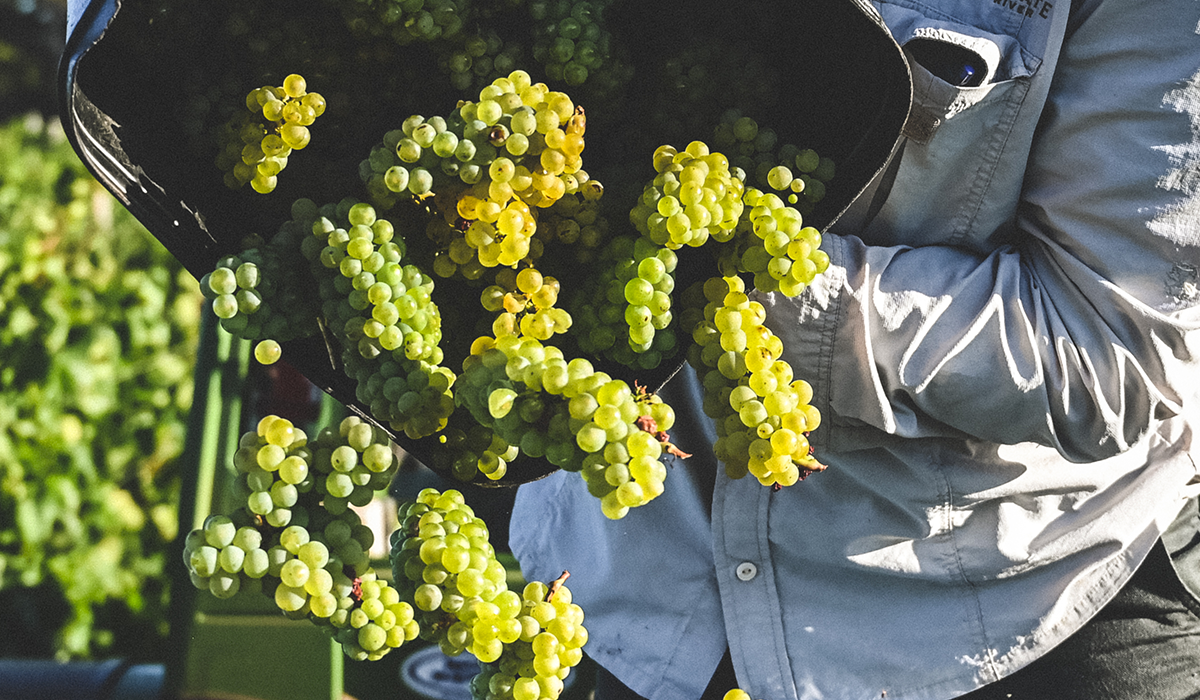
223 281
267 352
204 560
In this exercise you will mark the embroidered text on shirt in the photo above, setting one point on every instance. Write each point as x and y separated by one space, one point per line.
1029 8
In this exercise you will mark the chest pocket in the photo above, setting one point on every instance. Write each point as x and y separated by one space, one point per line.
955 178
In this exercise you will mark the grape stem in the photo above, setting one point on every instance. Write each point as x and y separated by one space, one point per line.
557 584
805 471
325 337
649 425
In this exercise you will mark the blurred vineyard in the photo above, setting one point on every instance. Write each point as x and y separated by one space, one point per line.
98 328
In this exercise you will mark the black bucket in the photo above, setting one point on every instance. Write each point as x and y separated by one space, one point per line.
846 93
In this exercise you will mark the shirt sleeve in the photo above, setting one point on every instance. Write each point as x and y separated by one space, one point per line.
1075 326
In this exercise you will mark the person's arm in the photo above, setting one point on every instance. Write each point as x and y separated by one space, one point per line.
1080 332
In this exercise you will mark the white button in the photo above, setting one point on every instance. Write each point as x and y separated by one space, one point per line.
746 571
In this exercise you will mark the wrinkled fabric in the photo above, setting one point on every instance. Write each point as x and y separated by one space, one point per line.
1004 349
1143 644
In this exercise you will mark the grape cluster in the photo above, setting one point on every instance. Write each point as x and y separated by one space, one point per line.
250 305
408 21
232 288
351 464
525 304
799 175
624 312
783 254
579 419
382 310
575 220
622 471
481 57
573 223
220 556
442 561
468 448
512 386
256 143
296 540
570 39
762 413
535 664
378 303
492 163
693 197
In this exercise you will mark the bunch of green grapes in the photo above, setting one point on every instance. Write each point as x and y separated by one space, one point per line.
378 305
578 418
232 288
252 305
777 248
351 464
513 387
570 39
492 163
799 175
624 311
381 309
623 466
573 223
297 541
762 413
693 197
375 300
467 448
256 143
481 57
224 559
525 304
512 119
444 564
408 21
550 644
274 470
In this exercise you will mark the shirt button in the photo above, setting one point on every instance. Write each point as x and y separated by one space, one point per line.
746 571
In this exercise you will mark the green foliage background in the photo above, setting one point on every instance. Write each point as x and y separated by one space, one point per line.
98 329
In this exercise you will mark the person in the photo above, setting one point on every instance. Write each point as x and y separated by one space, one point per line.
1004 350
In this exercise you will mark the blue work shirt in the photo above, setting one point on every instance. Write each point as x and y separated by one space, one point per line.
1004 350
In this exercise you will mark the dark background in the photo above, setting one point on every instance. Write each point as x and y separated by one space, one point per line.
32 33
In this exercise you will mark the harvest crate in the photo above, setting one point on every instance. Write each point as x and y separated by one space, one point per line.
842 88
